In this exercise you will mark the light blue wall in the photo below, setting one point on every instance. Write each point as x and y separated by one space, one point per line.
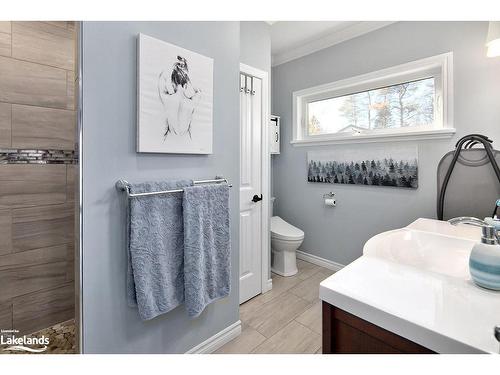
255 39
339 234
108 153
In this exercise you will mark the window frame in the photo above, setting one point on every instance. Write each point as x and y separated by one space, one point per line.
440 67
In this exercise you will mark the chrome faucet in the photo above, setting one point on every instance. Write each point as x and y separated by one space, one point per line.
489 234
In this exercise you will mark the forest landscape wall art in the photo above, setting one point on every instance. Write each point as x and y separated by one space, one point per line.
388 167
174 99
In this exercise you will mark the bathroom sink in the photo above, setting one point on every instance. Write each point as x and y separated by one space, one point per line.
436 247
415 282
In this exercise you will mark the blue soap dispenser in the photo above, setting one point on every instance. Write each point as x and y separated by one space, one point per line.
484 261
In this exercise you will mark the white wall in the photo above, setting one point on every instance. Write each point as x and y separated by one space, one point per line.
339 234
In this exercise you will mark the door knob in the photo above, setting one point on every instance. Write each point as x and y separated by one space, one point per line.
256 198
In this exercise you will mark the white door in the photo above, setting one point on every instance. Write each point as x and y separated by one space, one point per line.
250 187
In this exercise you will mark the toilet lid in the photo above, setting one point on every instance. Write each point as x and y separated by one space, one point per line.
281 229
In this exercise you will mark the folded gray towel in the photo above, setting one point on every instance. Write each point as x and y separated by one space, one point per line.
155 277
207 246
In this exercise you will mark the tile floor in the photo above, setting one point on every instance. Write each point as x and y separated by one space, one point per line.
285 320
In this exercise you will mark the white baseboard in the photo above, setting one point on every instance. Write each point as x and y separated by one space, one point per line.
268 286
221 338
314 259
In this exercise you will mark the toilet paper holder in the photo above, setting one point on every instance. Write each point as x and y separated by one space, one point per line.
329 199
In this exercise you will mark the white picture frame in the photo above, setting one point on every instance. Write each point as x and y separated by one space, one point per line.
174 99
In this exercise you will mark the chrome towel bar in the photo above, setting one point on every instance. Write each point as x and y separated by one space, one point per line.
122 185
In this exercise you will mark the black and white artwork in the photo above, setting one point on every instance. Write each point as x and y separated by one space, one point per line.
175 99
395 167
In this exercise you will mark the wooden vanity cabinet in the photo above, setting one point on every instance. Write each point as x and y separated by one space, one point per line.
344 333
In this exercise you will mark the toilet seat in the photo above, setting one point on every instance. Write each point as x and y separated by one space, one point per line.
282 230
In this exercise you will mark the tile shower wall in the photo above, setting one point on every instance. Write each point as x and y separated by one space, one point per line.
37 113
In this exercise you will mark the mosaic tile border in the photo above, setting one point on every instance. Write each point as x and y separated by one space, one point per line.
33 156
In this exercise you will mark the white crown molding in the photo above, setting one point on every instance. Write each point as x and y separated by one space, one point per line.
336 37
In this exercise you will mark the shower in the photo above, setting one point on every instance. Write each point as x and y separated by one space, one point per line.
39 175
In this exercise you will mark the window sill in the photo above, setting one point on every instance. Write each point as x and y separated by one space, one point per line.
371 138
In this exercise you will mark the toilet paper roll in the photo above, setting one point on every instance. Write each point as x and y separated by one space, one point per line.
330 202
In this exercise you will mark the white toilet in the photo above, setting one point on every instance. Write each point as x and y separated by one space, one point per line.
285 240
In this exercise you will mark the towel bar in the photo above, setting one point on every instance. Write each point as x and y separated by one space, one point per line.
122 185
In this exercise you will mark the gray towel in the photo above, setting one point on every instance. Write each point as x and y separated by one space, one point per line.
155 277
207 246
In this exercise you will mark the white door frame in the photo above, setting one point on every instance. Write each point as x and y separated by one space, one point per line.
266 283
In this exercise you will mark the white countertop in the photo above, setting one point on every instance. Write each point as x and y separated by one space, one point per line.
443 313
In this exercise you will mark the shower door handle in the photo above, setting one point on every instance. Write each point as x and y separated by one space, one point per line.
256 198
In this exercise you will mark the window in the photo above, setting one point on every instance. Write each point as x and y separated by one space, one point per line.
410 101
398 106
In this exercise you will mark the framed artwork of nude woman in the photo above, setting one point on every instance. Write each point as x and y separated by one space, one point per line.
174 99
